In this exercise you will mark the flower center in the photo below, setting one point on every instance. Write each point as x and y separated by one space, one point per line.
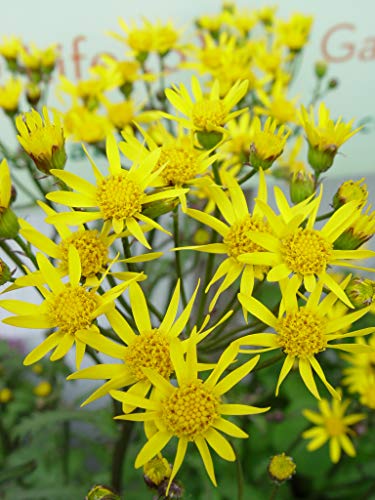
119 197
182 165
301 333
209 114
306 251
71 310
93 253
281 467
334 426
149 350
237 239
190 411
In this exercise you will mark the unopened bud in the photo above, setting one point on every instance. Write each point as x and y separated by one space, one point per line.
320 69
155 209
33 93
301 186
281 468
5 273
349 191
9 226
156 471
102 493
5 395
333 83
319 160
361 292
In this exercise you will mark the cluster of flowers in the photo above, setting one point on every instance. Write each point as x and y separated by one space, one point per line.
181 181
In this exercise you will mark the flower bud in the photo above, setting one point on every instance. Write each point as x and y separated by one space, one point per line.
102 493
43 389
156 208
320 69
319 160
156 471
209 140
5 395
333 83
281 467
361 292
5 273
33 93
9 226
301 186
349 191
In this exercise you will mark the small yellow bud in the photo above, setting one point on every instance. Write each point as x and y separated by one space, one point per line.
33 93
37 368
5 273
156 471
320 69
100 492
201 236
281 467
349 191
301 186
5 395
43 389
361 292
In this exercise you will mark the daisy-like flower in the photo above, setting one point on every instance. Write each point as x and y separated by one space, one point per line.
10 94
42 140
82 125
68 306
267 144
277 105
360 231
126 113
295 32
36 59
192 411
140 40
295 249
10 47
149 347
118 197
234 233
206 113
332 424
302 332
324 137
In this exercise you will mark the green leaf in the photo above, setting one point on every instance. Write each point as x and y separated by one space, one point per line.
17 471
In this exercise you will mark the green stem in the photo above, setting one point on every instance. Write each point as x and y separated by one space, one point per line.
119 454
269 362
148 88
274 491
127 253
65 451
177 255
247 176
26 249
12 255
240 476
325 216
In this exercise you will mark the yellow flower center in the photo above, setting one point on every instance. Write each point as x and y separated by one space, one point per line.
140 40
281 467
119 197
267 146
190 411
306 251
71 310
283 110
237 239
301 333
335 426
93 253
182 164
149 350
209 114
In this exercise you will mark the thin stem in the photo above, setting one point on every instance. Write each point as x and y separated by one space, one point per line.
12 255
274 491
269 362
247 176
119 454
325 216
127 253
239 476
66 450
26 249
177 255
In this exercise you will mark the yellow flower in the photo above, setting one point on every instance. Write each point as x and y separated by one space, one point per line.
266 144
350 190
239 221
206 114
140 40
294 33
42 140
333 425
276 104
117 197
82 125
236 151
192 410
126 114
5 395
360 231
157 470
10 95
10 47
295 247
43 389
301 332
37 59
281 467
324 137
149 347
359 376
68 306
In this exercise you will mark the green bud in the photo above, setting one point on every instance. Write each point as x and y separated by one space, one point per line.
141 57
157 208
9 226
348 191
126 89
257 161
333 83
301 186
209 140
319 160
320 69
33 93
361 292
100 492
5 273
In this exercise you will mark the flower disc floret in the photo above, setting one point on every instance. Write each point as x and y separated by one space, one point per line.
149 350
72 309
209 114
306 251
335 426
301 333
190 411
182 165
93 253
119 197
237 239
